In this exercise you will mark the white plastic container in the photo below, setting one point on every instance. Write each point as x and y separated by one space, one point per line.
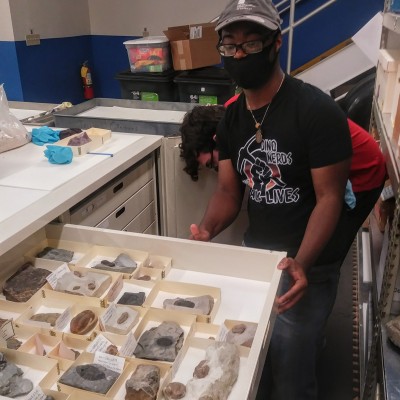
149 54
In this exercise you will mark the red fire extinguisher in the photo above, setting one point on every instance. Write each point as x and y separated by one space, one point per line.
86 76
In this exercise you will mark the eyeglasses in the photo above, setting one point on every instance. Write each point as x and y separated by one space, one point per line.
250 47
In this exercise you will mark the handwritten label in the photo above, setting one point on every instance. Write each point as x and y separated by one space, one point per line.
115 289
36 394
7 330
63 319
66 352
114 363
111 311
101 344
129 346
223 331
57 274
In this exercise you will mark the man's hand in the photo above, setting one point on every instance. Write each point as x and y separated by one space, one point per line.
197 234
296 292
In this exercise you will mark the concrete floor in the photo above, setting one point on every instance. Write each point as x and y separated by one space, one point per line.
335 365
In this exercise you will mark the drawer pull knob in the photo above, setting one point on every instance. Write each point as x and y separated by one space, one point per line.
119 212
118 187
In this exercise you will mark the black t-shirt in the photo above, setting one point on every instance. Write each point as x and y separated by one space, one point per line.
303 129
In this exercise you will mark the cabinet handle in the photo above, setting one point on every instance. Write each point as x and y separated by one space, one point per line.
118 187
119 212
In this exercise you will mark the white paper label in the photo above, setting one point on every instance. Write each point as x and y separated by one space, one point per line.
111 311
196 32
129 346
63 319
99 344
7 330
115 289
114 363
223 331
36 394
57 274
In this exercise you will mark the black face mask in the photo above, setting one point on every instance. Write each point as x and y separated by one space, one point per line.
252 71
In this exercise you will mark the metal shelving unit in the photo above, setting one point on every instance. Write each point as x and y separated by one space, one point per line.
382 373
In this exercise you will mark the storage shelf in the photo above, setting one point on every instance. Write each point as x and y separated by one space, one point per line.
390 366
391 21
385 129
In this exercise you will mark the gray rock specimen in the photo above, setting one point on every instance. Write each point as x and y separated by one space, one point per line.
48 318
201 305
132 299
91 284
175 391
91 377
143 383
25 283
242 334
393 330
160 343
11 382
123 263
51 253
13 343
216 381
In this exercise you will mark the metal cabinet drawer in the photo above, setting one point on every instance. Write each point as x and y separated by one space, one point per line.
152 229
143 220
104 201
119 218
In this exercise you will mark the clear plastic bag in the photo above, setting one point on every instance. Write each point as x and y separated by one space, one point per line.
12 133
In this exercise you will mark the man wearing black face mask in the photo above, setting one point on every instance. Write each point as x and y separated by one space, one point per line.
290 143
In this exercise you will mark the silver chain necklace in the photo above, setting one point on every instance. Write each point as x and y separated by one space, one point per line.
259 136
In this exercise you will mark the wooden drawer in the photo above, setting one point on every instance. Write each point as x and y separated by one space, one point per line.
119 218
247 278
143 220
94 208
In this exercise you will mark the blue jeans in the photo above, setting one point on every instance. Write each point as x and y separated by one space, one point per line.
290 368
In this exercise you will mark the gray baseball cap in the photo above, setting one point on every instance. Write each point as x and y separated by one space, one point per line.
262 12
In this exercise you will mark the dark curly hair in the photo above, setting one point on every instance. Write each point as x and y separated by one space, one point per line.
197 130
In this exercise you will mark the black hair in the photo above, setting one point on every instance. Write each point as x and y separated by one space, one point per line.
197 131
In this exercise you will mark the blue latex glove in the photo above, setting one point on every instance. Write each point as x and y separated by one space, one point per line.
43 135
349 197
58 154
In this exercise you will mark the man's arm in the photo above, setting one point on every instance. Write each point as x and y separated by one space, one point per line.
329 184
223 206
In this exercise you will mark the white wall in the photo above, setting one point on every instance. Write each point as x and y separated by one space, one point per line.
49 18
129 17
6 28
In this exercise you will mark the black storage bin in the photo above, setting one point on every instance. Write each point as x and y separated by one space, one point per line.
149 86
210 85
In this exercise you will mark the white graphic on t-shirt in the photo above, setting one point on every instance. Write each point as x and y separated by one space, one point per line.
259 163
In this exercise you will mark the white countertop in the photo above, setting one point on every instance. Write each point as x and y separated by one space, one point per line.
34 192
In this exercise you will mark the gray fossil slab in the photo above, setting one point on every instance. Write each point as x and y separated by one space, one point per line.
123 263
91 377
162 342
197 305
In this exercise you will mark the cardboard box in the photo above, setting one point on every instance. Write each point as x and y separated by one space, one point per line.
193 46
386 72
